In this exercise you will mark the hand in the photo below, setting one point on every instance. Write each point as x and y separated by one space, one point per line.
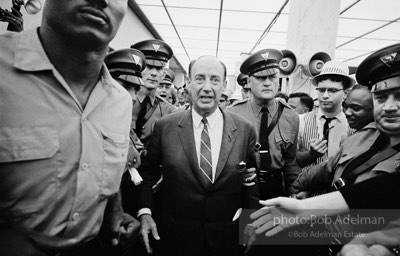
148 225
302 195
123 227
14 19
318 147
268 218
249 237
249 177
375 243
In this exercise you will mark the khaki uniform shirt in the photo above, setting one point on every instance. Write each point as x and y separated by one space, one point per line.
282 139
59 163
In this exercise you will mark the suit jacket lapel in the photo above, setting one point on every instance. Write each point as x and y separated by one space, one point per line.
186 136
228 138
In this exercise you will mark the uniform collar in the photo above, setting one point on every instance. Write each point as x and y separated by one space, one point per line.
272 107
30 56
141 95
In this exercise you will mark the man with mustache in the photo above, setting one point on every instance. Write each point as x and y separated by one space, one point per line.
321 131
64 132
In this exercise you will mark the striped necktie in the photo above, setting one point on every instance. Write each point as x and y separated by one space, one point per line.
205 152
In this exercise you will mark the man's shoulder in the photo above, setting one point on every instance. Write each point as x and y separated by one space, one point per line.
237 118
165 104
239 104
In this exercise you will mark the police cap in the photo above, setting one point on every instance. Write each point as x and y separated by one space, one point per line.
262 63
157 52
242 81
380 67
126 65
169 77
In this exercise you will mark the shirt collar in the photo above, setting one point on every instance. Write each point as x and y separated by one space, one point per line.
141 95
29 54
212 119
340 117
272 107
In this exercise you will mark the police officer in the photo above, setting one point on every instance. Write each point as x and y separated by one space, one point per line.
276 124
166 86
242 81
126 66
150 107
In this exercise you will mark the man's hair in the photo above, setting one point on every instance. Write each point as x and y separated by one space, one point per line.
282 95
194 61
335 78
304 99
359 87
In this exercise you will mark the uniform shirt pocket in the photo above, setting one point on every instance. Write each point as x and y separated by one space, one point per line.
115 146
28 169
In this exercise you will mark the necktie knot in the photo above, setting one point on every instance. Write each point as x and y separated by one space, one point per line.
326 126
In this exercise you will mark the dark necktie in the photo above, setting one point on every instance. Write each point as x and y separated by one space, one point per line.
205 152
326 127
264 157
141 120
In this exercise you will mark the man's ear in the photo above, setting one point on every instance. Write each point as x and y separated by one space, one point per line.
306 110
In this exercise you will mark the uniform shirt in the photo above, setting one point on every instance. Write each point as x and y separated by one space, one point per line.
159 108
59 163
311 127
215 127
283 138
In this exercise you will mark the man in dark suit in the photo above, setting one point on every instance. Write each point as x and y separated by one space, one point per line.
204 153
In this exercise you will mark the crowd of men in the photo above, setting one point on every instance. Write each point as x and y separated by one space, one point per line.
102 154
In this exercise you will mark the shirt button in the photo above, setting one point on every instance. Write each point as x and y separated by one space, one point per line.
85 166
76 216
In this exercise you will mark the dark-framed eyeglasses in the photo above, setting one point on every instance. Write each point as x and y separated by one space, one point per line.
329 90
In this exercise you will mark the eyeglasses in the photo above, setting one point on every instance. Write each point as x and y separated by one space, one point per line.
330 90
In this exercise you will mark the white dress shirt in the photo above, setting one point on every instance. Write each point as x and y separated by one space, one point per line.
215 128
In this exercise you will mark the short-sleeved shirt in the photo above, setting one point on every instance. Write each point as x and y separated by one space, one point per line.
59 163
283 138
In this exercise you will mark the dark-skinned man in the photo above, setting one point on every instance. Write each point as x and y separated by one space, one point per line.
64 128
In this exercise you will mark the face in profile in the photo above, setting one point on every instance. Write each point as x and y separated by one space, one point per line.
358 108
90 24
298 106
207 82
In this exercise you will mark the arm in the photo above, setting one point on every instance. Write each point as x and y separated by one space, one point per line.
120 225
267 218
316 178
249 193
291 169
150 173
317 149
385 188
